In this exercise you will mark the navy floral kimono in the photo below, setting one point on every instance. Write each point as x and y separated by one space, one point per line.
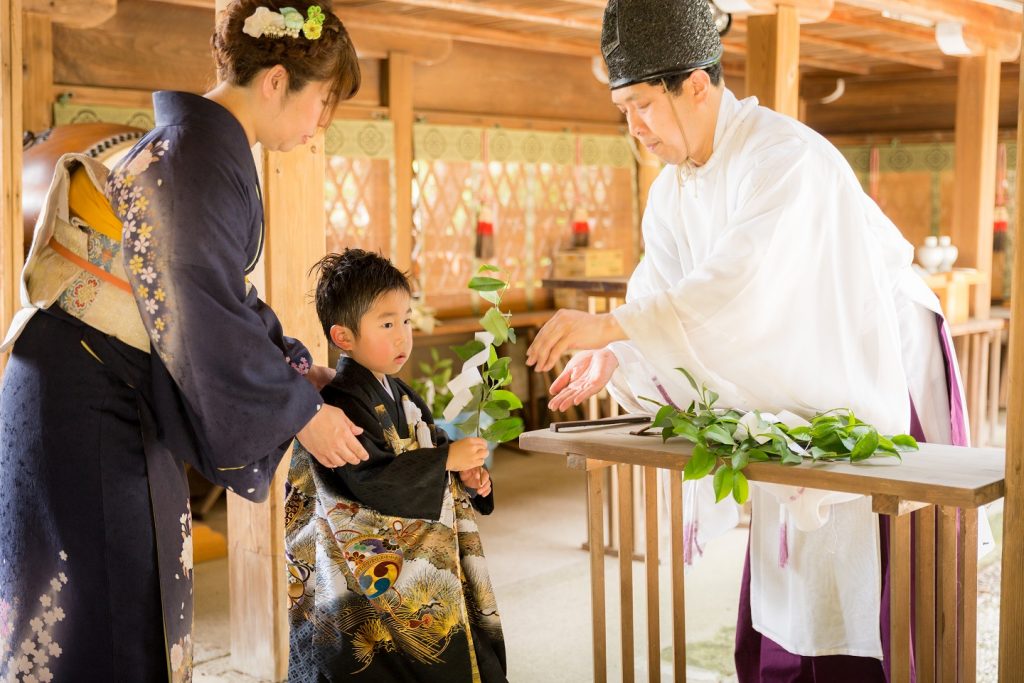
387 577
95 527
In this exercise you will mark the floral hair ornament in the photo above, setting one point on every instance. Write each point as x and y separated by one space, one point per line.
288 22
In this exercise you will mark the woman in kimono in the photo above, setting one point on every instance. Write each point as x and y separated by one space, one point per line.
773 278
143 348
387 577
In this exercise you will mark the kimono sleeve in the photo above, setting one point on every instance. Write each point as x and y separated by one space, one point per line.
408 485
188 240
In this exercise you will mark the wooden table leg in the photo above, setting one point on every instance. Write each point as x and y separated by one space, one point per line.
653 592
899 597
595 505
967 602
625 477
678 586
924 594
947 579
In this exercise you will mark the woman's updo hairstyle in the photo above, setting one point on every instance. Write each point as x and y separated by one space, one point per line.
331 57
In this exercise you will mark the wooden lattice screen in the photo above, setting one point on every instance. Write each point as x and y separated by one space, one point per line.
530 181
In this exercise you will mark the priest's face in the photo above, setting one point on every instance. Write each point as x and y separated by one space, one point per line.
385 334
675 128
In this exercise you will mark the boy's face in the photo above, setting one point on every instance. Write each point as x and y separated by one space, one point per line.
385 335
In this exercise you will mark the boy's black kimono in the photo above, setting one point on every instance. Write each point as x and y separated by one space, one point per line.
387 577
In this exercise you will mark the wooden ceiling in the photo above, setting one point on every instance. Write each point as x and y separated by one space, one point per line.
855 39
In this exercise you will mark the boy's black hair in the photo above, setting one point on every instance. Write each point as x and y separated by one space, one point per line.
349 283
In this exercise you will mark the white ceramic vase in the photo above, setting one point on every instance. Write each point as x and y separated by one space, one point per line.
930 255
949 254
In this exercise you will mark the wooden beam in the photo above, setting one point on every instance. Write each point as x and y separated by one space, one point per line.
773 60
1011 599
376 41
399 102
11 240
934 63
879 24
993 26
471 34
977 127
505 13
37 105
74 13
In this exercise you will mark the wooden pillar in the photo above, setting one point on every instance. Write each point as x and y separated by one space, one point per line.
773 60
11 241
1011 612
977 127
399 94
37 106
295 239
648 168
293 195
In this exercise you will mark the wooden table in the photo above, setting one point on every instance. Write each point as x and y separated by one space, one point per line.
943 486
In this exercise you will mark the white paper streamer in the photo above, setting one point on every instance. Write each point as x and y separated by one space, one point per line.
462 385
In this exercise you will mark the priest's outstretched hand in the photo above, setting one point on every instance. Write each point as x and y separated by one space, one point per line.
585 375
570 330
331 437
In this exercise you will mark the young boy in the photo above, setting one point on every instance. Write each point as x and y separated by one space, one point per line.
387 578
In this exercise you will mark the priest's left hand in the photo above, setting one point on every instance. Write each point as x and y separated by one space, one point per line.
320 376
570 330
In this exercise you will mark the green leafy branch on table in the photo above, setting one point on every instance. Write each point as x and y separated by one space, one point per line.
726 441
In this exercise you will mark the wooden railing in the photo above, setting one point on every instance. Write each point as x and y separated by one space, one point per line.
938 490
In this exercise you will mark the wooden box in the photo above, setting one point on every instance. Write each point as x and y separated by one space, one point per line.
954 291
587 262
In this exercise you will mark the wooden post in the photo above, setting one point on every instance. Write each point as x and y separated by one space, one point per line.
38 75
1011 612
773 60
977 126
648 168
295 238
11 241
399 94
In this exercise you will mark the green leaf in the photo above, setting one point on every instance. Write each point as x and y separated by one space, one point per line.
723 482
491 297
508 397
512 335
720 434
758 455
866 446
492 356
740 488
710 398
499 370
740 459
800 433
426 369
666 434
488 268
504 430
480 283
791 458
434 355
664 416
905 442
469 349
496 409
700 464
495 323
470 425
886 444
683 427
689 377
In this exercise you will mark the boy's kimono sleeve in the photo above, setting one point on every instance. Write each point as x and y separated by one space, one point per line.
225 395
408 485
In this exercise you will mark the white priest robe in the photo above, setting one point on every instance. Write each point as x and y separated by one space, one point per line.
773 278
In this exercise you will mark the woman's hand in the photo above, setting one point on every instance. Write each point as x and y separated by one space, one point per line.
478 479
331 437
585 375
570 330
320 376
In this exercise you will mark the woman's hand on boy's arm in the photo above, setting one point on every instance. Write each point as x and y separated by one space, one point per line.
320 376
331 437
